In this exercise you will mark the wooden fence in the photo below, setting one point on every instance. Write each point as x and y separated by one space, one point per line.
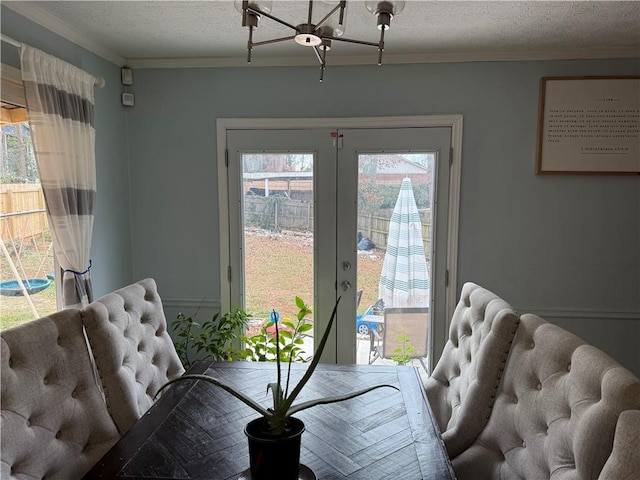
22 211
280 213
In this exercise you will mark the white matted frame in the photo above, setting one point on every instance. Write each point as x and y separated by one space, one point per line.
589 125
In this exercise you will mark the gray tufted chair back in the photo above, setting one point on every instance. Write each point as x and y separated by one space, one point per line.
133 351
55 424
556 410
624 461
462 388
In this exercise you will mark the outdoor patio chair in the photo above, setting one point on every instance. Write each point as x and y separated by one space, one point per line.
55 423
133 351
405 334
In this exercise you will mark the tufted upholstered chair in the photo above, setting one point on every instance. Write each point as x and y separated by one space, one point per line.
556 410
462 388
624 461
133 351
55 423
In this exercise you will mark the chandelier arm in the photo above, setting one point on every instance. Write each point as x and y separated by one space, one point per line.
343 7
381 46
268 15
322 59
350 40
324 64
275 40
327 17
245 4
318 56
310 16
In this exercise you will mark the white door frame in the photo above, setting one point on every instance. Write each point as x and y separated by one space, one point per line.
452 121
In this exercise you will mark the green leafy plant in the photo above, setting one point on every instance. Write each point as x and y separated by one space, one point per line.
277 417
212 340
405 352
266 346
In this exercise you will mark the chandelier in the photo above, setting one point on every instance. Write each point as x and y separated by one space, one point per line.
321 34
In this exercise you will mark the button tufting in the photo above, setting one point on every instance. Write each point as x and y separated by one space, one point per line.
58 434
539 386
59 341
74 393
45 380
533 344
515 399
10 362
569 368
524 445
28 423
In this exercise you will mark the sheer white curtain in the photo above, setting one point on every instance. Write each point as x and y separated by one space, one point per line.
60 102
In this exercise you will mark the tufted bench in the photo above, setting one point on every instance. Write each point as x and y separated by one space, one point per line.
55 424
555 412
462 388
133 351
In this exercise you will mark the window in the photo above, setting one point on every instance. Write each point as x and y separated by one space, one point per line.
27 253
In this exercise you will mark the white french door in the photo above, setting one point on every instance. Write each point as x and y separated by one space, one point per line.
299 200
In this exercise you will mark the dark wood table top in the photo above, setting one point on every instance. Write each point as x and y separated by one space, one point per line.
196 430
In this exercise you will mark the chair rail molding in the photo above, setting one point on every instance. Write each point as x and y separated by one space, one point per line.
550 312
179 302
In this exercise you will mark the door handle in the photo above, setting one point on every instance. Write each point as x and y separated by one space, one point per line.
345 286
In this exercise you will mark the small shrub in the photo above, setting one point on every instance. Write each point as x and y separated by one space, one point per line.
404 352
213 340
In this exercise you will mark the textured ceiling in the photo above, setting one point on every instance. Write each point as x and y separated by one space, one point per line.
165 32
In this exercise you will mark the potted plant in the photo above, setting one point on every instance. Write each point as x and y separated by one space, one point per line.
274 438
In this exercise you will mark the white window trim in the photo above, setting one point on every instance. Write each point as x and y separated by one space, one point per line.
12 89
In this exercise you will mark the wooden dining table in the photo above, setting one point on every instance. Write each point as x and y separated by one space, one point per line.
195 430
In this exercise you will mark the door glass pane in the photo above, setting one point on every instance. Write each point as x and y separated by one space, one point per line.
395 205
278 240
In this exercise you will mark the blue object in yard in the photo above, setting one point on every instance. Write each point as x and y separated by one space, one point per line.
365 323
32 285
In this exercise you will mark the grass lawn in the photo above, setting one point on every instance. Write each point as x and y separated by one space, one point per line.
279 267
37 262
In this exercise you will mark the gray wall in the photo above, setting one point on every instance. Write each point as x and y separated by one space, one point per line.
111 248
565 247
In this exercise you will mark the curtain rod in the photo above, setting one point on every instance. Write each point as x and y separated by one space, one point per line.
98 82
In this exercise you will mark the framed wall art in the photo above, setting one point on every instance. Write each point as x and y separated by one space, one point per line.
589 125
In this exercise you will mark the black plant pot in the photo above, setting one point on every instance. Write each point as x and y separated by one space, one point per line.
272 457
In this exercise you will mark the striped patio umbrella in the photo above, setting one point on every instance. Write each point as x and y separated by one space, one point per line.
404 281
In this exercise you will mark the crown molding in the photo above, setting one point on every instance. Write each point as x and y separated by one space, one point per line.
42 18
449 57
